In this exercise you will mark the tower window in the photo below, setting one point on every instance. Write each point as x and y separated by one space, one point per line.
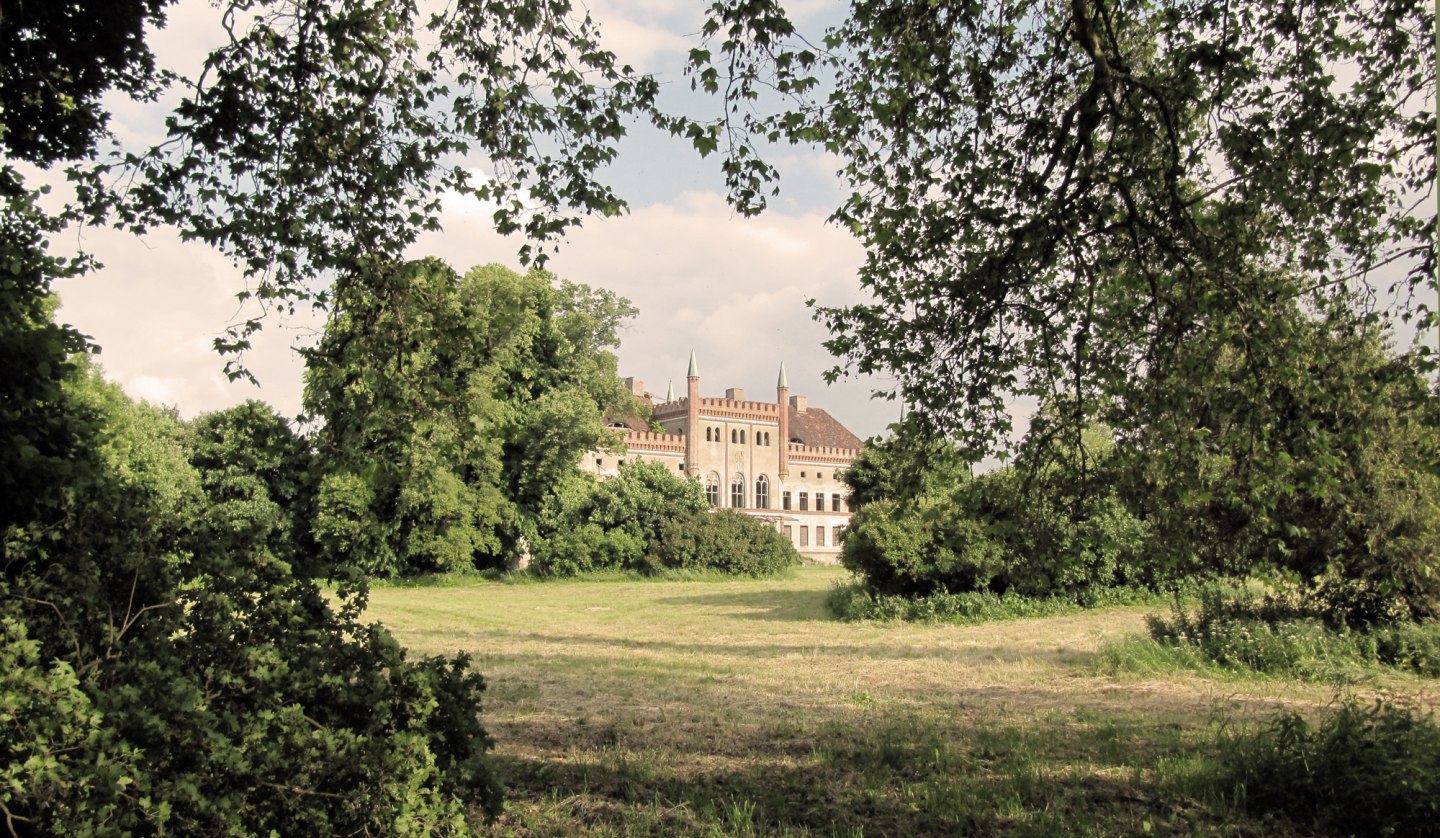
762 492
712 488
737 492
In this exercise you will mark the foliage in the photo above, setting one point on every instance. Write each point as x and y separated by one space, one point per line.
175 673
1324 472
724 540
908 463
453 406
1055 197
1280 636
57 59
860 602
610 525
1026 529
1362 770
168 664
317 140
650 520
256 473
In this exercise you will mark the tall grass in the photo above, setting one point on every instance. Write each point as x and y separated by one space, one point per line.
1237 631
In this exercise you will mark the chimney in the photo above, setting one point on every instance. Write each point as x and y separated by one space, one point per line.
800 403
735 394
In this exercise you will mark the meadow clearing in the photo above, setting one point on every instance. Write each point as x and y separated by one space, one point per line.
744 708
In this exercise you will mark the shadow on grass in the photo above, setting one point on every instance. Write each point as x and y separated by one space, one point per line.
977 654
780 604
863 776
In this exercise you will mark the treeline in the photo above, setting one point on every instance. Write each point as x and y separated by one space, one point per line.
1315 469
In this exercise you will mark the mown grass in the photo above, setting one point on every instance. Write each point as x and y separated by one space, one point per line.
742 708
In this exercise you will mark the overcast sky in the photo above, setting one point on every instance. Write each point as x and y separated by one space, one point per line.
730 288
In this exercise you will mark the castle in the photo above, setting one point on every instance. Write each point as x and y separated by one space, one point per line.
778 461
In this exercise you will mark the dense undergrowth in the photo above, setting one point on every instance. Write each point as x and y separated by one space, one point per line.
1359 770
1241 632
856 601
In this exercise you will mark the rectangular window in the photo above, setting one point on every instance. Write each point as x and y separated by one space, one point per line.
785 500
819 536
835 502
804 501
804 536
839 531
789 535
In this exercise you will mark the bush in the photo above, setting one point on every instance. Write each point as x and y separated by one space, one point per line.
587 549
859 602
724 540
1279 636
168 667
994 534
1361 771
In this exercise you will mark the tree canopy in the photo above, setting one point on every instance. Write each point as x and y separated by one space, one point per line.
1055 196
452 407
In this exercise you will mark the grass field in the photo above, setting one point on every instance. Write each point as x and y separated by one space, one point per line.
741 708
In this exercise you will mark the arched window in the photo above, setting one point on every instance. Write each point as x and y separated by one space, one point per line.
742 437
733 436
707 434
762 492
712 488
737 492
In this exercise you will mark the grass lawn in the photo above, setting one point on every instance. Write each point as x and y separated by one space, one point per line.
742 708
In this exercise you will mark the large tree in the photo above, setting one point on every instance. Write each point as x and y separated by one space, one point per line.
452 406
1055 196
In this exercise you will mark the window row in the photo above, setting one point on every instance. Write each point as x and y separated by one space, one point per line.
737 491
835 535
837 501
737 436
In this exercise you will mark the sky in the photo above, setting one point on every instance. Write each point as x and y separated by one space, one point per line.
731 289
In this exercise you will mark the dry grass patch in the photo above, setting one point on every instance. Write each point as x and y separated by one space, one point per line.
741 708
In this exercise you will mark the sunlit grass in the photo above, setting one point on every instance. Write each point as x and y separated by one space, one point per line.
741 708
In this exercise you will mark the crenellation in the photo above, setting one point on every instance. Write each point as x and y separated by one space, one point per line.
741 451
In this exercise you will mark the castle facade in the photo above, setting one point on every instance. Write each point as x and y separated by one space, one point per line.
778 461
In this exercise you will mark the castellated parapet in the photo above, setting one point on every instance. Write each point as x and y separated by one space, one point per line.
782 462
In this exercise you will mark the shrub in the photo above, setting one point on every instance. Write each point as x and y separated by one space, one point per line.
859 602
724 540
1363 770
1281 635
994 534
586 549
167 670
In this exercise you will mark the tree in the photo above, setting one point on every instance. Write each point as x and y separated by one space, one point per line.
314 145
165 666
1054 197
173 672
257 475
452 408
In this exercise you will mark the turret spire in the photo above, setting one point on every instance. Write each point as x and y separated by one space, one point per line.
670 391
694 368
782 382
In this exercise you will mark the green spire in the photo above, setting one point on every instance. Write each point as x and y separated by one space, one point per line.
694 368
670 391
782 382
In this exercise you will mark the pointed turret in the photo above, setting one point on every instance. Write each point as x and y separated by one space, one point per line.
670 391
782 408
692 418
